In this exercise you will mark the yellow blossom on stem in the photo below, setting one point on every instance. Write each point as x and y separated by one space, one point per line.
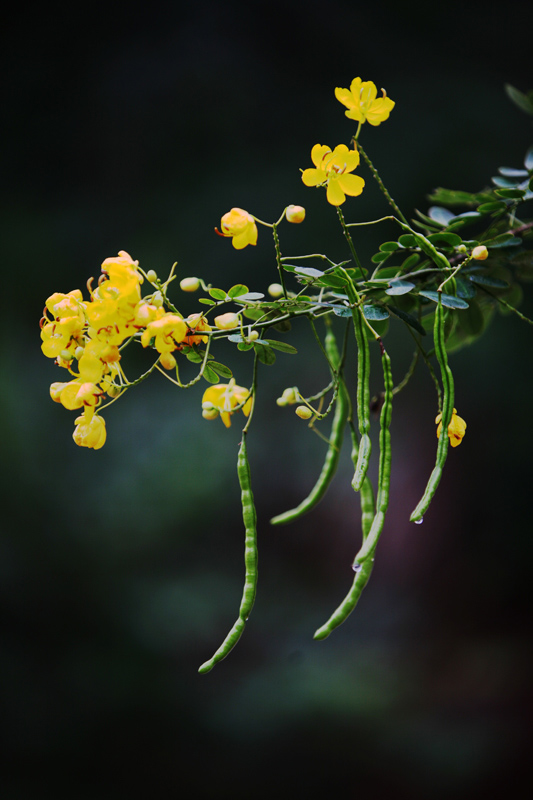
90 430
332 168
456 428
169 330
196 322
240 225
363 104
223 398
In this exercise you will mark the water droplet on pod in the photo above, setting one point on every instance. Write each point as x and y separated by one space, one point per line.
357 567
419 521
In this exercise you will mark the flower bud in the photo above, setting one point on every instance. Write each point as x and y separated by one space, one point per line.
252 336
66 355
209 411
151 275
190 284
289 397
303 412
167 361
295 213
461 248
480 253
157 299
226 322
275 290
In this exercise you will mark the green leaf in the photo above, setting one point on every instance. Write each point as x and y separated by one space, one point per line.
509 172
511 194
253 313
250 296
209 375
399 287
389 247
487 208
410 262
450 239
309 272
281 346
196 358
387 272
465 290
408 319
440 215
519 98
244 346
235 337
218 294
503 240
206 301
523 264
472 321
486 280
335 281
220 369
407 240
377 258
448 300
265 354
342 311
504 183
284 326
528 160
237 290
375 313
453 197
462 220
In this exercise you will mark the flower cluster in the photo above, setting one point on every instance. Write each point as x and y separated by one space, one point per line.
92 332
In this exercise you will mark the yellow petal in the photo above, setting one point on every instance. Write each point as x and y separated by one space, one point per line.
314 177
318 153
335 195
351 184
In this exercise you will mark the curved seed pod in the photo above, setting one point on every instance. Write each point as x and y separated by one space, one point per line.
366 493
427 247
447 410
335 443
365 558
250 561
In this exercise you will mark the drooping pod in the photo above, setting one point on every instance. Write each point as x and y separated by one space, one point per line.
365 558
447 411
335 443
366 492
250 560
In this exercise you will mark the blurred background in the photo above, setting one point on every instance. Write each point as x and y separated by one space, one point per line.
121 570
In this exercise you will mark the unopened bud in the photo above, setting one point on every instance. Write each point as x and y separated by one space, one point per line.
209 411
289 397
157 299
226 322
275 290
303 412
167 361
295 213
66 355
480 253
151 275
461 248
252 336
190 284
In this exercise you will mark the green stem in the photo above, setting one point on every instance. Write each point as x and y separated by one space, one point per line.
350 242
278 259
380 183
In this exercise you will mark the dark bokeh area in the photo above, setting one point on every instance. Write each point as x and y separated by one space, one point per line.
121 570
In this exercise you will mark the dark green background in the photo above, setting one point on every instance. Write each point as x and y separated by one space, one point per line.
121 570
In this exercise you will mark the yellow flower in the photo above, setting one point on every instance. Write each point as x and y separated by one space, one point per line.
196 322
224 397
90 430
240 225
333 168
169 330
360 100
456 428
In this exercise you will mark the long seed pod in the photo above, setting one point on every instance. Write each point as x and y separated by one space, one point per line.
250 560
365 558
335 443
366 493
447 410
363 391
